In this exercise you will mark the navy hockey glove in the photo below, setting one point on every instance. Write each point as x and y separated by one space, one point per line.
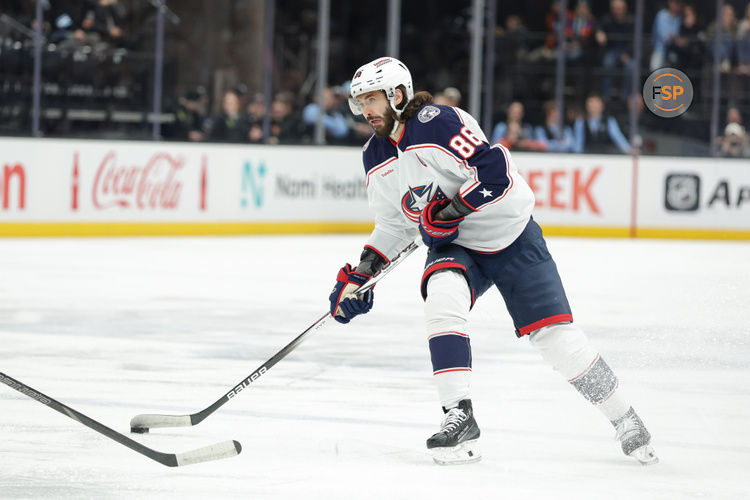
436 233
344 303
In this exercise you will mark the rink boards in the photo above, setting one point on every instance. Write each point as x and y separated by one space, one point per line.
98 188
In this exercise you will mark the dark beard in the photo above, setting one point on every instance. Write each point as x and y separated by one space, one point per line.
388 121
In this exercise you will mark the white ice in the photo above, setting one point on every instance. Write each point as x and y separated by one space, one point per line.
117 327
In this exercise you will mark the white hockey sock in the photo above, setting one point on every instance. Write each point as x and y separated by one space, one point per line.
566 348
446 309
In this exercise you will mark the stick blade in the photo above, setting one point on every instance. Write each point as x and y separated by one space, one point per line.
218 451
142 423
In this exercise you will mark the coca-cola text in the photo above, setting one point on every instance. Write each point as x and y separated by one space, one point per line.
154 185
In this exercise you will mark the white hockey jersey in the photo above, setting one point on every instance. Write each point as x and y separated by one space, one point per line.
442 152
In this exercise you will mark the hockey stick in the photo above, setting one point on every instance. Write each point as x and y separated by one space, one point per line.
214 452
142 423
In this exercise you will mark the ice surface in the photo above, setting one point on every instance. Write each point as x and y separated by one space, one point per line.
117 327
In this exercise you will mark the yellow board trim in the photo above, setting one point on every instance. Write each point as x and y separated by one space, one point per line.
65 229
692 234
596 232
669 233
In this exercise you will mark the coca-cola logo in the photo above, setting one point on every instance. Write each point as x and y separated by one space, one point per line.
154 185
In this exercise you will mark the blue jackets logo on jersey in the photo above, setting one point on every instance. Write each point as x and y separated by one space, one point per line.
415 199
428 113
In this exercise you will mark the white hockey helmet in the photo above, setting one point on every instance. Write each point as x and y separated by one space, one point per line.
384 73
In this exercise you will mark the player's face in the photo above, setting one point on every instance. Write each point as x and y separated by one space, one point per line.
378 113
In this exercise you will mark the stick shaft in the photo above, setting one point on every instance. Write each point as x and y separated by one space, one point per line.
141 423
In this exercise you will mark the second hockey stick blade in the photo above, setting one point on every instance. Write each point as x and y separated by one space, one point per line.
216 451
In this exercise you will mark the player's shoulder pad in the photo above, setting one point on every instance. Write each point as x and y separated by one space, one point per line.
376 151
435 123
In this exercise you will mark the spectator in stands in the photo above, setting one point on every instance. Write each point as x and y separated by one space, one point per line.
516 139
734 142
514 115
256 110
666 28
243 93
552 26
102 17
734 115
727 38
334 122
690 44
450 96
572 113
512 42
743 43
64 18
598 132
190 118
578 34
547 134
614 35
734 133
285 126
231 124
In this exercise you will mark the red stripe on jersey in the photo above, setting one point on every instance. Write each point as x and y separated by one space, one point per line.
399 137
378 167
477 183
459 115
466 202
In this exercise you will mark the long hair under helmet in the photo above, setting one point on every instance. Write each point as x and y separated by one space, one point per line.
386 74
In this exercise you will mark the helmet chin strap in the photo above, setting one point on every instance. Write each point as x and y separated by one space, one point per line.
398 115
395 126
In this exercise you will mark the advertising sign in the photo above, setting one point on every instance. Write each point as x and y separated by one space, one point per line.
694 193
81 187
579 190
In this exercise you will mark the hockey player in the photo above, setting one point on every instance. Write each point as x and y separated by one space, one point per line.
430 169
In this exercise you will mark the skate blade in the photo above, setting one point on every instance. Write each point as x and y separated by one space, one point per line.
464 453
645 455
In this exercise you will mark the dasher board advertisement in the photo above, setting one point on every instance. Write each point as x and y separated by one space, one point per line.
691 193
93 181
80 187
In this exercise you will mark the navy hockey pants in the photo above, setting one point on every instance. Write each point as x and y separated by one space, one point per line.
524 272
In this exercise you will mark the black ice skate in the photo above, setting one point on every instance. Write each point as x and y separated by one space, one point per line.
457 440
635 438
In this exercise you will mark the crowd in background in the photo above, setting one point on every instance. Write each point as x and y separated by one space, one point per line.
598 50
99 24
